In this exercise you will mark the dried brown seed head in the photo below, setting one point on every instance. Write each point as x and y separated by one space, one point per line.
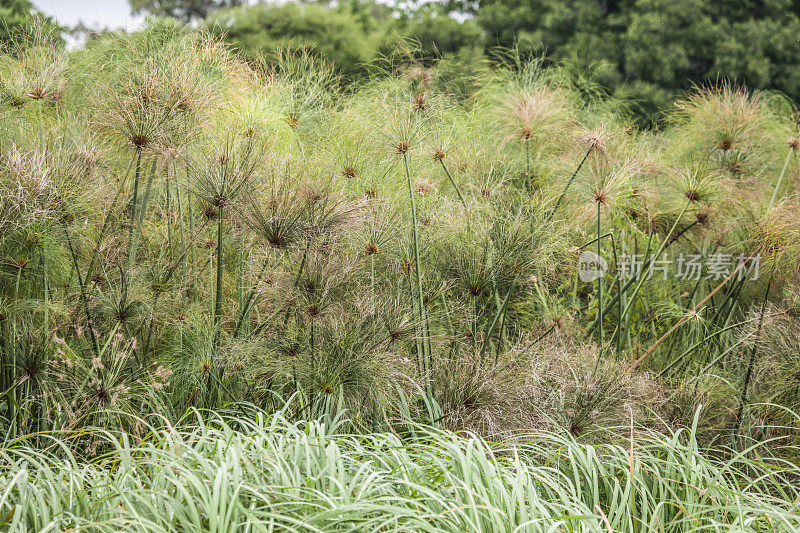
600 197
371 248
402 147
139 140
424 187
36 93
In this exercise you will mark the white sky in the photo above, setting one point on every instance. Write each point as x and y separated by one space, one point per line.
93 13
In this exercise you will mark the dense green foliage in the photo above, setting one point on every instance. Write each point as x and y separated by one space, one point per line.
186 10
645 52
16 18
169 211
264 473
357 37
651 50
336 35
185 230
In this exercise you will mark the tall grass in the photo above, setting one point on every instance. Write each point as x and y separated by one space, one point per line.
249 231
265 473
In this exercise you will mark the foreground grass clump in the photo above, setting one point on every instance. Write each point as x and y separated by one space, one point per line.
264 473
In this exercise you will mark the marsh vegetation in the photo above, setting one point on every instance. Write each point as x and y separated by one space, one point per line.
239 295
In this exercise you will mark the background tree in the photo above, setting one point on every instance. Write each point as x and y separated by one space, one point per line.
644 52
16 16
338 35
186 10
648 51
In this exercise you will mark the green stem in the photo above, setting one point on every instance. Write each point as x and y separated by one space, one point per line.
218 291
168 275
106 224
642 277
84 298
527 161
135 196
780 178
248 303
372 277
137 233
180 225
417 263
567 186
700 343
169 209
753 352
599 290
633 279
454 184
41 124
46 284
190 213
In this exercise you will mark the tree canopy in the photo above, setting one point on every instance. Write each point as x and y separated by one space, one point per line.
186 10
17 17
645 52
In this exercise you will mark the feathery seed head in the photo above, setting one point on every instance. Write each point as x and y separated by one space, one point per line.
692 195
371 248
424 187
402 147
420 102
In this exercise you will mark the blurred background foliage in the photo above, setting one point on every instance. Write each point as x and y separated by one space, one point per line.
644 52
16 16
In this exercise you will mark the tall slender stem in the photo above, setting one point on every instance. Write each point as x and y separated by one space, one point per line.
169 209
567 186
247 305
631 280
655 257
41 124
417 264
190 214
372 277
180 224
46 287
218 290
753 353
84 298
780 178
527 160
599 289
454 184
135 195
137 232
